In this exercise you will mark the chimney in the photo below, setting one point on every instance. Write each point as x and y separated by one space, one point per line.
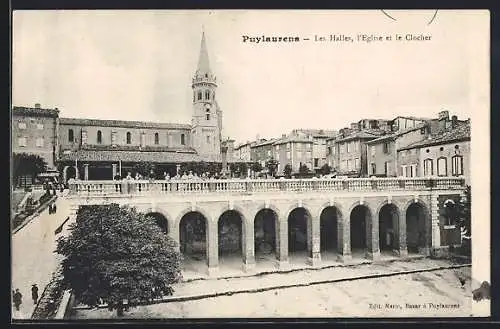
283 135
444 115
37 105
454 121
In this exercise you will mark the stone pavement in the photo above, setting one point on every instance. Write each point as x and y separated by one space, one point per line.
33 256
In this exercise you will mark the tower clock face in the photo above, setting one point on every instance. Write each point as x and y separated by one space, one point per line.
207 106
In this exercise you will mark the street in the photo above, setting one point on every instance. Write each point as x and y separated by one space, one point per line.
33 257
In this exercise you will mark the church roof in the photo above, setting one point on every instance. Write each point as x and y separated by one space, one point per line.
203 60
122 123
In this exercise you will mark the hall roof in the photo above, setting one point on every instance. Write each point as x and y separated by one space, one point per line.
122 123
458 134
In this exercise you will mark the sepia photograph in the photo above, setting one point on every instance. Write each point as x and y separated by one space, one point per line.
249 164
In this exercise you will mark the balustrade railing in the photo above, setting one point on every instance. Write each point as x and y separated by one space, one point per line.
144 187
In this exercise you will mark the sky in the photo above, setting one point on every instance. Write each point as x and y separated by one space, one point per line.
138 65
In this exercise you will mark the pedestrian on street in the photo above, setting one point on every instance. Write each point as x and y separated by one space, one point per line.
17 299
34 293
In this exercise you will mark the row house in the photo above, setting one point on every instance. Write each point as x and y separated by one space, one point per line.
319 148
347 153
294 150
382 152
243 151
444 154
262 151
35 131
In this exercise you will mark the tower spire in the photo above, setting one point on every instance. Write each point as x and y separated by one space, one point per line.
203 61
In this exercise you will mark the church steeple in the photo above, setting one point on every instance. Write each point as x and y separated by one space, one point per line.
207 116
203 60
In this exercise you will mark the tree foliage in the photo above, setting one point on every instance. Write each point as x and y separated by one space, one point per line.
114 254
239 168
256 167
326 169
464 211
145 167
272 166
303 169
287 171
27 164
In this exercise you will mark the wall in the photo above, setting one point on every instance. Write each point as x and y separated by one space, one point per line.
355 152
447 151
319 152
121 136
48 132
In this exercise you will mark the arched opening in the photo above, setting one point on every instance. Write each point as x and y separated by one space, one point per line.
329 220
415 228
183 141
99 137
71 136
193 240
299 230
360 219
160 220
388 228
266 221
129 137
157 139
230 232
70 172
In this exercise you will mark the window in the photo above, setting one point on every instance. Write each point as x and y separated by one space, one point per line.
316 162
113 138
387 148
457 165
207 116
268 153
409 170
450 212
157 139
169 140
21 141
199 95
348 147
387 168
334 149
287 146
22 125
39 126
207 94
129 137
288 155
374 168
183 142
208 139
356 146
71 136
442 169
39 141
428 167
99 137
277 148
349 164
357 163
308 146
373 149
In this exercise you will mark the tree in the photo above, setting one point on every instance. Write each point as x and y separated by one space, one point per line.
287 171
272 166
144 168
326 169
115 254
464 211
27 164
303 169
256 167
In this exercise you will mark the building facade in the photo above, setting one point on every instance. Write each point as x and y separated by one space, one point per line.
35 131
382 152
243 151
444 154
347 154
295 150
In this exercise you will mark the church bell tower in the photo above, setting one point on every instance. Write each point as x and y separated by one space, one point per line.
207 117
